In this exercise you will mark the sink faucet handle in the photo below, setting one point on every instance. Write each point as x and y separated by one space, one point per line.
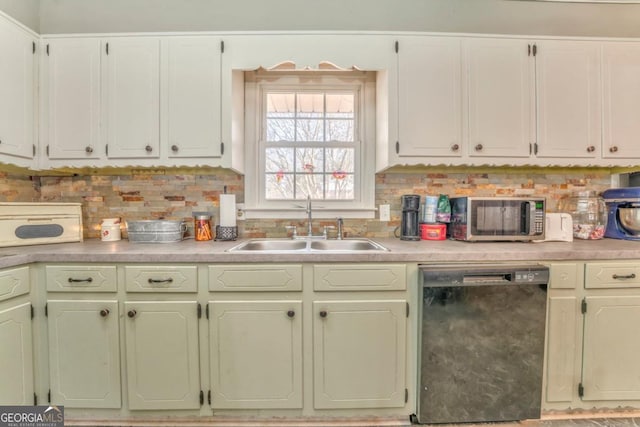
294 233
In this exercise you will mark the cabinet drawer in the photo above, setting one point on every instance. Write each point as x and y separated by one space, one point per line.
359 277
612 275
255 277
159 278
81 278
565 275
14 282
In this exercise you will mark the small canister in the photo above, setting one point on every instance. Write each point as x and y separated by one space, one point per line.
202 226
433 231
110 230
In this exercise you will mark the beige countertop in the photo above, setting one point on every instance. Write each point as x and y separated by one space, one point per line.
400 251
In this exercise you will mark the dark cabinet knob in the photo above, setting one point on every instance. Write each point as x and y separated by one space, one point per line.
291 313
132 313
455 147
148 148
323 314
174 148
613 149
88 149
104 312
591 149
479 147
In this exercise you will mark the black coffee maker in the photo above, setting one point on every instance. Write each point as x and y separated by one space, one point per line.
410 227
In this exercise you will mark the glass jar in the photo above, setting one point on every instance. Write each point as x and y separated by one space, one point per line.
202 227
588 212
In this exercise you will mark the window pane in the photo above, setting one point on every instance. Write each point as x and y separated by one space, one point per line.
340 106
340 186
309 130
309 184
280 105
309 160
278 186
310 105
279 160
280 130
340 130
340 160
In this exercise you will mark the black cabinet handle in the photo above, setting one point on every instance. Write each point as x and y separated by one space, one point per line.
88 149
148 148
174 148
613 149
104 312
88 280
478 147
132 314
455 147
291 313
624 276
591 149
152 281
323 314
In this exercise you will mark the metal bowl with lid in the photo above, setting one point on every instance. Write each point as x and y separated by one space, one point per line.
630 219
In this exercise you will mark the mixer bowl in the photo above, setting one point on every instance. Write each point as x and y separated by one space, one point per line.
630 219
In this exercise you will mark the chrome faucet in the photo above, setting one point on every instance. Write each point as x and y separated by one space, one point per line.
339 224
309 220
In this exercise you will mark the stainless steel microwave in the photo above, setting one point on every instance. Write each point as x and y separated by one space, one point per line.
497 218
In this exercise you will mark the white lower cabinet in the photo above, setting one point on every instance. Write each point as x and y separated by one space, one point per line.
359 354
611 347
256 354
592 336
162 354
84 343
16 356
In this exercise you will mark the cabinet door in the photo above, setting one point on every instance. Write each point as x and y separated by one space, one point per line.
71 69
16 356
132 95
84 343
353 367
256 354
162 355
610 368
430 97
193 97
562 348
499 86
17 91
621 87
568 99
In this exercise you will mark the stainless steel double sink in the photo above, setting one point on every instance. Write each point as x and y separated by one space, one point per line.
308 245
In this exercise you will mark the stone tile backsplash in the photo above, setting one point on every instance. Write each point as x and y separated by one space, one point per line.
175 195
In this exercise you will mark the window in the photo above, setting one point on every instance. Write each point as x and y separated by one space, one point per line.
309 143
313 135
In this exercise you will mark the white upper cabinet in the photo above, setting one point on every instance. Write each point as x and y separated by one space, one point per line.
499 90
621 94
71 98
191 105
568 99
131 76
18 93
430 93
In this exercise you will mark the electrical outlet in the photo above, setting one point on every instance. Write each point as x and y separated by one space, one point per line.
385 212
240 211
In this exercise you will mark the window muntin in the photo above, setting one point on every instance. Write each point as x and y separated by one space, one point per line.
310 143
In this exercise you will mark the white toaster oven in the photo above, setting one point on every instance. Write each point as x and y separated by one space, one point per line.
39 223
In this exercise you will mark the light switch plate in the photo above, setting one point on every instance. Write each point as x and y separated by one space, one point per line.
385 212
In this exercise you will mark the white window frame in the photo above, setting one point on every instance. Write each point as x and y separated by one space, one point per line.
257 83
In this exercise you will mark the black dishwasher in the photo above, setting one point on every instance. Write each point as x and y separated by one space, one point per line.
481 342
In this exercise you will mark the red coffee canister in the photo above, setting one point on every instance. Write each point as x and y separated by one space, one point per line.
433 231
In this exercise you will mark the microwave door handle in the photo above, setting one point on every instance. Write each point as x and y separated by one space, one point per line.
530 213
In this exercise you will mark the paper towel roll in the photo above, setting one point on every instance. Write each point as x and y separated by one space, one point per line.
227 210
